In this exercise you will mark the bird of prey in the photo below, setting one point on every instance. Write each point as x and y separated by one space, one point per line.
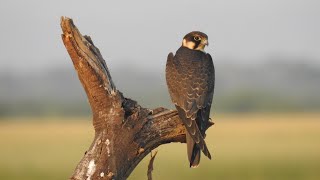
190 78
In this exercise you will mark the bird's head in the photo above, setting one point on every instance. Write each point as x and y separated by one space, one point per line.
195 40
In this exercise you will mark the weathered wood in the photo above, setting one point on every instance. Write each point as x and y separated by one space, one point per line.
125 132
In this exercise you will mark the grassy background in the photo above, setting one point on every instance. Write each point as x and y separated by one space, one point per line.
245 146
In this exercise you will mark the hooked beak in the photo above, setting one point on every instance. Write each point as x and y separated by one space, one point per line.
205 42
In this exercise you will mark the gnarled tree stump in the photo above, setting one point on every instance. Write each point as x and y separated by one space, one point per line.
125 132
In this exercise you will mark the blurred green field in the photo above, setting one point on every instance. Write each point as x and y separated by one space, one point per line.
248 147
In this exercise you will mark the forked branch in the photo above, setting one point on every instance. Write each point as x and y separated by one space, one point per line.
125 132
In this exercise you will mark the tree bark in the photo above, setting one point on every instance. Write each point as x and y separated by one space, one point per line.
125 132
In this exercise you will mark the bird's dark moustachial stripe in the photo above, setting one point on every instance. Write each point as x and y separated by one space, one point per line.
197 43
190 79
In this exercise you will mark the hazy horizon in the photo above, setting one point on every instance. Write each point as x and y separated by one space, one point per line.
266 52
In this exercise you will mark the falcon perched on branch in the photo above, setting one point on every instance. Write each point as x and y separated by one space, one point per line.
190 79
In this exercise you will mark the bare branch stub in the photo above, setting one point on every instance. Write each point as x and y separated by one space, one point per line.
125 132
150 166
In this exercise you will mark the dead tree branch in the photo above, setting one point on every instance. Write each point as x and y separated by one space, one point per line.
125 132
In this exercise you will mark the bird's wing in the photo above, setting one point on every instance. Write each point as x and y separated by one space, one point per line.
204 113
172 78
191 85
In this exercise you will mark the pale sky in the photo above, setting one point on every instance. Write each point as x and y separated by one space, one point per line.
142 33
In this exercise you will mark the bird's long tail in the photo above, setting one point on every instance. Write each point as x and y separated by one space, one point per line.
193 151
194 138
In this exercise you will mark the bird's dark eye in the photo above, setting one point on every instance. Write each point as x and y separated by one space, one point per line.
197 38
